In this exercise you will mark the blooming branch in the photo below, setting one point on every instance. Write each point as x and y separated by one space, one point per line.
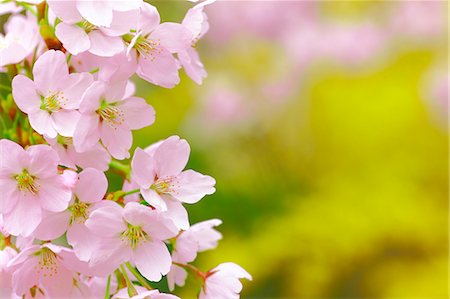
66 117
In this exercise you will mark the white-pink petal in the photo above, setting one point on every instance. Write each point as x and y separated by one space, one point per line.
73 38
73 89
95 12
149 18
27 207
117 140
193 186
160 69
65 121
154 199
52 226
92 97
104 45
172 36
106 221
92 185
43 161
26 276
95 157
192 65
142 170
42 123
137 113
152 259
53 195
171 157
177 213
25 95
87 132
13 158
49 71
82 240
65 10
10 195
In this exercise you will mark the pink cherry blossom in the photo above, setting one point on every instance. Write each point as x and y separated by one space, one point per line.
88 194
114 69
80 98
30 184
95 157
134 233
97 285
96 12
78 40
143 293
50 267
199 237
222 282
197 22
6 290
153 45
159 173
70 178
103 41
108 116
175 209
52 98
20 40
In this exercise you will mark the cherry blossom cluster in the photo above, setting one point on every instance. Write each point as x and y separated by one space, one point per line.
67 118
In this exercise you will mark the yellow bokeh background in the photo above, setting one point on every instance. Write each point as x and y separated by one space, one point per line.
340 191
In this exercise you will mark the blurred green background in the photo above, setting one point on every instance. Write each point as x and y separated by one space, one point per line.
337 189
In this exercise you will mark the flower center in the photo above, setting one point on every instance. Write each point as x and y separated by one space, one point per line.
80 212
111 114
134 235
47 262
27 182
52 102
147 48
64 141
165 185
88 27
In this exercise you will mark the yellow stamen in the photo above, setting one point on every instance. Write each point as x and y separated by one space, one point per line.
26 182
80 211
53 101
147 48
47 262
166 185
134 236
111 114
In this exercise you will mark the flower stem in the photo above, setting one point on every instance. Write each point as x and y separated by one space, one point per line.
193 269
138 275
131 192
131 289
120 194
108 283
27 7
